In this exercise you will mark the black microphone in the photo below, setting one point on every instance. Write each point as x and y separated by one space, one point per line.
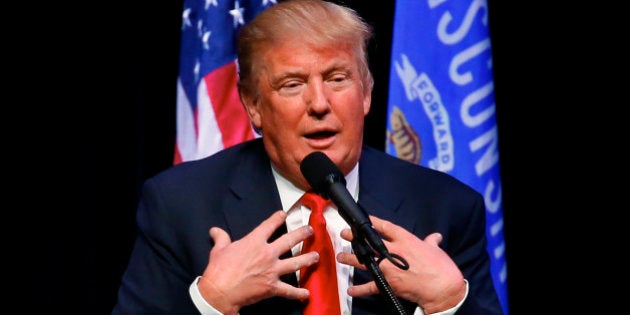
327 180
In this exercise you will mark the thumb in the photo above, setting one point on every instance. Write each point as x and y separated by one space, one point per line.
220 237
433 239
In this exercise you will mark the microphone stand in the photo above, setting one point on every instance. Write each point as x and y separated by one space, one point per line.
366 256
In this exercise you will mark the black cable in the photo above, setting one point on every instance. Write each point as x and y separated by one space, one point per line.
366 256
395 259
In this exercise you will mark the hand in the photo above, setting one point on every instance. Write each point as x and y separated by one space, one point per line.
433 280
248 270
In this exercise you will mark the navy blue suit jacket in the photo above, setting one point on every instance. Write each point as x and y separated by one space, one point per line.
235 190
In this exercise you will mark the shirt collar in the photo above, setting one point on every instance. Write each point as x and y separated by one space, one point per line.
290 194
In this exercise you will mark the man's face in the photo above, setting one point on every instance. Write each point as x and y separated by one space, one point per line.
309 100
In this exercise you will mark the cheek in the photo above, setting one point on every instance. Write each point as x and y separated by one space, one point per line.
280 116
358 106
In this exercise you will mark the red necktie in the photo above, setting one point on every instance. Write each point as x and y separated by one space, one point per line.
321 278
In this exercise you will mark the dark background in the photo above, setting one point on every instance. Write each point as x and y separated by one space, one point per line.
125 131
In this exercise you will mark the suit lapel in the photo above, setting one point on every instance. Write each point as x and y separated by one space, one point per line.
376 196
253 196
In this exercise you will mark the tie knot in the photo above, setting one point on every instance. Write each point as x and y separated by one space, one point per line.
314 201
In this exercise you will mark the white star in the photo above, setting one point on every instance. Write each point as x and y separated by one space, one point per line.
196 69
186 18
205 39
209 2
237 13
265 2
200 28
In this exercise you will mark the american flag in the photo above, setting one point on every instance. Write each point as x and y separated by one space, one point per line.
210 115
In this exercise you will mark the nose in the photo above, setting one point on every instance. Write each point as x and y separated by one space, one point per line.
316 98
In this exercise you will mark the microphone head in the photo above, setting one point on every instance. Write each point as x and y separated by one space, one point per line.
320 171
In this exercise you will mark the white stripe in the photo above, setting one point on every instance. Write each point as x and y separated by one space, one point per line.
210 139
185 129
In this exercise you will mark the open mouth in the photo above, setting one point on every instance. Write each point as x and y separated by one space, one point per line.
320 135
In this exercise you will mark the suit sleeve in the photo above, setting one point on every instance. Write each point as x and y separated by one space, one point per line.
467 247
156 280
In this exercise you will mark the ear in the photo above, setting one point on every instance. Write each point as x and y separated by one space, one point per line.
367 102
251 107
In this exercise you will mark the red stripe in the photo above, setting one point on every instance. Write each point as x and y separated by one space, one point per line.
177 158
229 111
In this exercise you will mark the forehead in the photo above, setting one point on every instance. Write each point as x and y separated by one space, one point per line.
291 54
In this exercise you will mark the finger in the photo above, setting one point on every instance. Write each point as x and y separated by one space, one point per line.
289 240
269 225
385 228
220 237
298 262
350 259
433 239
288 291
347 235
363 289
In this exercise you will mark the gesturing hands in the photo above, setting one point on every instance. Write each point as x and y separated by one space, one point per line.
248 270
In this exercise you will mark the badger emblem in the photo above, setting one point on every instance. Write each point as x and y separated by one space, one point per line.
404 138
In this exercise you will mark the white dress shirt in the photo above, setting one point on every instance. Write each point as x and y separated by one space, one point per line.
297 216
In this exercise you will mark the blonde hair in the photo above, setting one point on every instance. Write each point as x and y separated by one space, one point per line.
315 22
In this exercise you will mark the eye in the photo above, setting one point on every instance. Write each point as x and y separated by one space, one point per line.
291 84
290 87
339 80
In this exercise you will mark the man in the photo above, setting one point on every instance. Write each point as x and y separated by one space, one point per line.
306 86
